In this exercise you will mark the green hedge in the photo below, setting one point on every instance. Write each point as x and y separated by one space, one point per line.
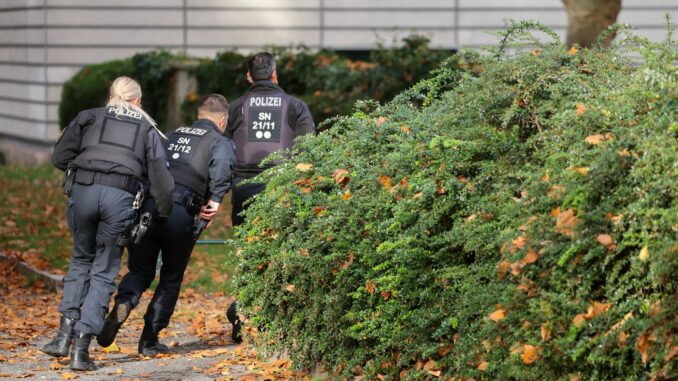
329 83
89 87
517 221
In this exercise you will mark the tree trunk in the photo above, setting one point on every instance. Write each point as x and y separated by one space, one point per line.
587 18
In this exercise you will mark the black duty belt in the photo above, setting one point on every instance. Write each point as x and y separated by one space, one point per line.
189 200
124 182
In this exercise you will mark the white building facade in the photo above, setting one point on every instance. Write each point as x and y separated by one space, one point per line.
45 42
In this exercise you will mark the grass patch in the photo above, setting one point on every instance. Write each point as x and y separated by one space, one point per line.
34 227
34 223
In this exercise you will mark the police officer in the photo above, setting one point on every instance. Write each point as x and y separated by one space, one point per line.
262 121
201 161
111 150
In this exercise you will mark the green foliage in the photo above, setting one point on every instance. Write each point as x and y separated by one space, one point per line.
330 84
89 87
515 221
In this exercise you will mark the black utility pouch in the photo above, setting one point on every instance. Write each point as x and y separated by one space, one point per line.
69 179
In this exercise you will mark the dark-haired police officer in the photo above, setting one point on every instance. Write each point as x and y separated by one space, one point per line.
111 149
263 121
201 161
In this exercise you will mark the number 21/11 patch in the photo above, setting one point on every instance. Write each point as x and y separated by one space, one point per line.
182 147
264 125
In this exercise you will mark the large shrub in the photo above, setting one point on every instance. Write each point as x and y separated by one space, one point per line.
89 87
515 221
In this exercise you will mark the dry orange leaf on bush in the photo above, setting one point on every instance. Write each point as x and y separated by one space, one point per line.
502 269
518 243
607 241
598 138
498 315
530 257
405 128
346 195
516 268
572 51
290 287
545 332
530 354
580 170
482 366
555 192
370 286
385 182
643 344
304 167
581 109
340 176
566 222
381 120
595 309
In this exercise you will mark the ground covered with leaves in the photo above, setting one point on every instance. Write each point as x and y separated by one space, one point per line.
515 221
199 340
34 231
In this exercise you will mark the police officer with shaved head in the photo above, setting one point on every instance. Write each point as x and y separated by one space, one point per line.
201 161
263 121
106 153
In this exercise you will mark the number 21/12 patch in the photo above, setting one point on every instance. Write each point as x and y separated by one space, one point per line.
264 125
181 149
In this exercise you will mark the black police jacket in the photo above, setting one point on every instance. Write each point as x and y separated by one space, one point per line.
110 140
201 159
262 121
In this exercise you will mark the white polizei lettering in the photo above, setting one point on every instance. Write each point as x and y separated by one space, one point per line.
119 111
191 131
266 101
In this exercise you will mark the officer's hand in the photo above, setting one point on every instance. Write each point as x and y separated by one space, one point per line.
208 211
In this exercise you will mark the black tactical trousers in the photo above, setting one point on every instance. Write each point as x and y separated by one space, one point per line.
242 193
97 214
174 241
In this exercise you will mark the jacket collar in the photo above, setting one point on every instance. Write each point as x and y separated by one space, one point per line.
206 124
265 83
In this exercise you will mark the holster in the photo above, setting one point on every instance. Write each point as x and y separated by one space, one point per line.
69 179
129 234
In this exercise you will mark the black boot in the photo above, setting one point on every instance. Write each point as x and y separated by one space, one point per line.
232 316
114 321
62 342
149 344
80 353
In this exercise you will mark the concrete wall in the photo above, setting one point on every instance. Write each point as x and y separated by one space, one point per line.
44 42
